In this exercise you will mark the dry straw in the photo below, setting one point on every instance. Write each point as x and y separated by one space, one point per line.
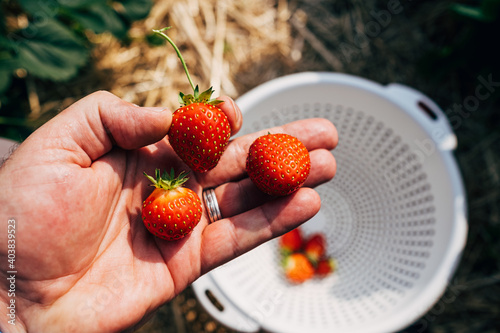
218 39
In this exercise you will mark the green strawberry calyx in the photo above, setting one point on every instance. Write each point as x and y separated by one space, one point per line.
196 97
167 181
204 97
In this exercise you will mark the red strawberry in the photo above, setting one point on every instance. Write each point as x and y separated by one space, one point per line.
171 211
200 131
315 247
278 164
298 268
291 241
199 134
325 266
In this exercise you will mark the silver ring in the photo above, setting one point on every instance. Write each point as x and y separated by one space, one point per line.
212 205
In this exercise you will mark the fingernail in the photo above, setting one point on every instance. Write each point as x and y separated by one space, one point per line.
155 109
237 111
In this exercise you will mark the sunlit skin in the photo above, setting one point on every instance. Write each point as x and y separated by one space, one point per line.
84 260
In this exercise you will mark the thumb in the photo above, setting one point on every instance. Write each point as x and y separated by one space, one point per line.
97 122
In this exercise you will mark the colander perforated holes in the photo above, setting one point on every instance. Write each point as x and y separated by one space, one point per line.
377 214
394 214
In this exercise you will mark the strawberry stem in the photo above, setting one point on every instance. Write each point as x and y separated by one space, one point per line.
161 33
167 181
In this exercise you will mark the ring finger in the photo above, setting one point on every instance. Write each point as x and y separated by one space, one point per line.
240 196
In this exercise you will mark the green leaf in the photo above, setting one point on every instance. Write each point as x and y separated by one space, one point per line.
181 98
491 9
3 28
167 181
99 18
186 99
50 51
134 10
206 95
46 9
487 11
196 92
12 121
80 3
468 11
7 66
51 7
5 79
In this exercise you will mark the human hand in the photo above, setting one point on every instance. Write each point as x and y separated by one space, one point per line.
85 261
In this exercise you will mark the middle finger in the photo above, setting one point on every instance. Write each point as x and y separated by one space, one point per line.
313 133
240 196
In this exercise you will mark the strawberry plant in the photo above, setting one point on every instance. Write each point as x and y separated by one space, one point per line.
52 44
200 131
48 40
171 211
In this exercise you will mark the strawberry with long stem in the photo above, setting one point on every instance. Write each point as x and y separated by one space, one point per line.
200 131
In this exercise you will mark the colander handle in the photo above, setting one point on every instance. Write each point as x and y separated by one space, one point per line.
426 112
220 307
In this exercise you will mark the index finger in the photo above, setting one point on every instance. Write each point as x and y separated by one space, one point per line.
233 113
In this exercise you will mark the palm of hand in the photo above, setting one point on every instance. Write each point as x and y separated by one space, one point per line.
85 236
85 259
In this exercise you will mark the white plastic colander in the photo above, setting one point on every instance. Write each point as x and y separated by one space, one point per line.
394 214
